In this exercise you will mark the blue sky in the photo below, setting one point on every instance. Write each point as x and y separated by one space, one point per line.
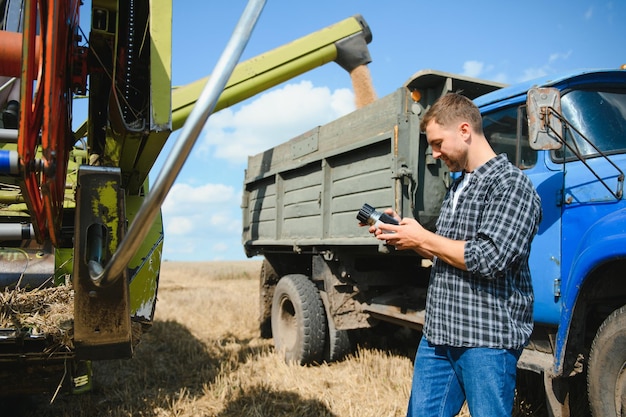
506 41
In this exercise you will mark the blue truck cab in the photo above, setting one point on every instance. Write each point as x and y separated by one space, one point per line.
573 151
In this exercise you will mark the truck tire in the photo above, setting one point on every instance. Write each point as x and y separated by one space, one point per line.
267 282
338 343
606 375
298 320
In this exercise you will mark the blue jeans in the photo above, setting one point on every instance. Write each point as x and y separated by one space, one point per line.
444 377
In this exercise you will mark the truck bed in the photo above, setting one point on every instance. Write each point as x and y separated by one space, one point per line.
307 191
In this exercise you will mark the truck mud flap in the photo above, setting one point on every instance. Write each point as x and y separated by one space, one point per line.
102 326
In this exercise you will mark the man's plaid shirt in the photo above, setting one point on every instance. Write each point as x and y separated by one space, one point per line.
490 305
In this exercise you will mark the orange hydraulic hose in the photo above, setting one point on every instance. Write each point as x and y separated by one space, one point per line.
11 53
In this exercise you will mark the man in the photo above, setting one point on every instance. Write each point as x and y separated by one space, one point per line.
479 302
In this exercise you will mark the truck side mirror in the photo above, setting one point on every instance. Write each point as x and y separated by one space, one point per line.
543 106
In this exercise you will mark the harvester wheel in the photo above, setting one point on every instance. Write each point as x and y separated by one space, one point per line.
606 376
298 320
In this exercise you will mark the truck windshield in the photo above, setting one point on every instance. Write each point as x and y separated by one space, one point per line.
600 115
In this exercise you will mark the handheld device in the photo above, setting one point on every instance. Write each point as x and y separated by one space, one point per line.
369 215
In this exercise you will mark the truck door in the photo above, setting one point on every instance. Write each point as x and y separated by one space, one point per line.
592 162
507 131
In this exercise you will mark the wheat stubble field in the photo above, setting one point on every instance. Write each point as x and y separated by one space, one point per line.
203 357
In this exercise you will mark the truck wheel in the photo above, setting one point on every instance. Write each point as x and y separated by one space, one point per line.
267 282
606 375
298 320
338 343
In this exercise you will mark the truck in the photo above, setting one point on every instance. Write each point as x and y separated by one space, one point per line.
323 277
80 222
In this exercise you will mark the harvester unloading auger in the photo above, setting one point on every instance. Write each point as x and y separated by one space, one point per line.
78 222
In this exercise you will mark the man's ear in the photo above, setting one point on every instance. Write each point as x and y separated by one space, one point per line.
465 130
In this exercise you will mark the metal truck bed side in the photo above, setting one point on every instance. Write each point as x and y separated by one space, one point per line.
303 191
307 191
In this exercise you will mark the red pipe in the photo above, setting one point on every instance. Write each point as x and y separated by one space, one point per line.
11 53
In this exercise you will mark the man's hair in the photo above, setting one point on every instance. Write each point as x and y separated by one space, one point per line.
452 108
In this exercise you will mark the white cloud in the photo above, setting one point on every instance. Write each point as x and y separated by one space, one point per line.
500 77
272 118
541 71
178 225
201 222
479 69
589 13
186 199
342 102
473 68
557 56
531 73
219 247
205 241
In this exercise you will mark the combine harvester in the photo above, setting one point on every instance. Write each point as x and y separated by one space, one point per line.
81 229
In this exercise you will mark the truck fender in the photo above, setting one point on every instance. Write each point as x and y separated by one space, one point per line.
604 241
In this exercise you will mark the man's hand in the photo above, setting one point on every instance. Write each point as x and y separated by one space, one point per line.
374 228
410 235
